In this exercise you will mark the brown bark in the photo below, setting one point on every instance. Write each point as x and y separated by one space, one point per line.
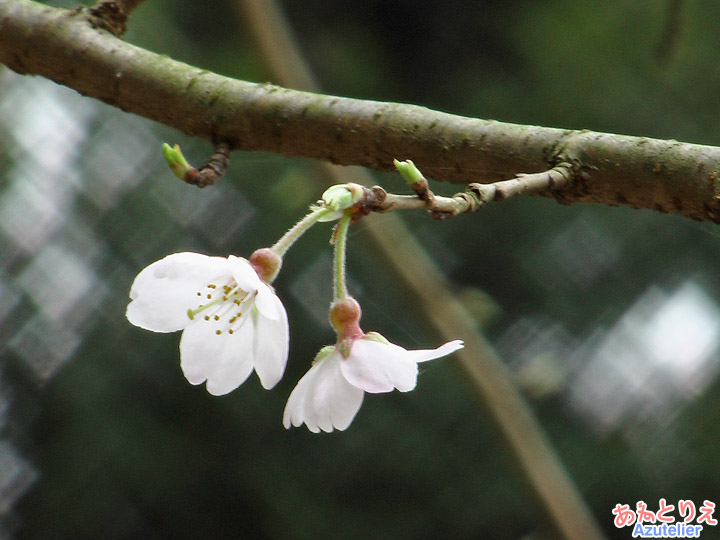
668 176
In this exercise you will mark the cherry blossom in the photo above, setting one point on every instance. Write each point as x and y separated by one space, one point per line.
330 394
232 321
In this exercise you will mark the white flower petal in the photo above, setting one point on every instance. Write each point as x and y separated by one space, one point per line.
243 273
268 303
379 367
423 355
270 349
163 292
224 360
323 399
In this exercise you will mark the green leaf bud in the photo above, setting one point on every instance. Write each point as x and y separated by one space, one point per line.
409 171
175 159
342 196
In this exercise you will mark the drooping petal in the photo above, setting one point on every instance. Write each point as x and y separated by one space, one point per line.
423 355
323 399
225 360
379 367
163 292
270 350
268 303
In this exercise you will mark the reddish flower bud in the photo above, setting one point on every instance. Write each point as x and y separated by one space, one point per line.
345 318
266 263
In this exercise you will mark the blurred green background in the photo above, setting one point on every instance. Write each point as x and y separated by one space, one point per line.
608 318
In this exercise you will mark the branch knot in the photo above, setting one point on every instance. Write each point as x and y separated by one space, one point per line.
109 16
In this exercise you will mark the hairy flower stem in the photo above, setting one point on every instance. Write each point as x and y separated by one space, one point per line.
340 285
289 238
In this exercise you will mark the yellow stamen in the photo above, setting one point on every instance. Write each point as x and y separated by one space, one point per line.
232 294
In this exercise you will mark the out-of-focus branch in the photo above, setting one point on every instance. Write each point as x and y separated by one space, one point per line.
638 172
486 372
672 29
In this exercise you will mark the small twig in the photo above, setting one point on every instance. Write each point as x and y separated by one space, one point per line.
558 177
211 171
376 199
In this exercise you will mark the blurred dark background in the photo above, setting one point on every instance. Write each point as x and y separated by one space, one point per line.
608 318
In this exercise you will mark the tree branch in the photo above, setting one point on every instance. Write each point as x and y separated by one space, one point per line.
668 176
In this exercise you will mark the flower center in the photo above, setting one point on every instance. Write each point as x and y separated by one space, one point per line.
228 306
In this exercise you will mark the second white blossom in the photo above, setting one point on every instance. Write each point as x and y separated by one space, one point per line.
330 394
